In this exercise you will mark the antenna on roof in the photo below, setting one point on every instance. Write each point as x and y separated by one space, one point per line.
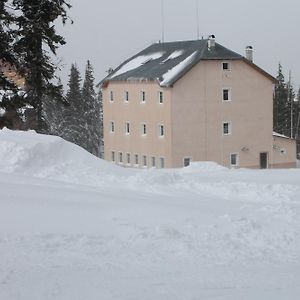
197 18
162 21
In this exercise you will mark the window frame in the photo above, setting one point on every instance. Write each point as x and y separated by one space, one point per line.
136 159
161 131
237 159
111 96
126 96
128 158
229 128
153 161
121 158
113 156
112 127
144 161
127 128
229 94
162 162
160 97
228 65
143 97
143 128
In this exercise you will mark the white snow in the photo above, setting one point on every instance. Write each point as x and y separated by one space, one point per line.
168 77
174 55
280 135
75 227
137 62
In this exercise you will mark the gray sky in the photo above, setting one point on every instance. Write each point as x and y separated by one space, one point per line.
108 32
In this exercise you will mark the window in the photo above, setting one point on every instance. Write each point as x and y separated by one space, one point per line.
143 129
153 161
111 96
136 159
186 161
144 160
127 128
113 156
160 97
128 158
225 66
120 157
234 160
161 130
112 127
126 96
143 97
226 128
226 95
162 162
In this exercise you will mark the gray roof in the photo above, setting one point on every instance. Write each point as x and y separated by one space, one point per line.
168 62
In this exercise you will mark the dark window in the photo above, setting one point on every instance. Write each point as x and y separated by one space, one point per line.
186 162
225 94
225 66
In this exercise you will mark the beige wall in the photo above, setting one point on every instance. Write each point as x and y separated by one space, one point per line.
284 153
151 112
198 112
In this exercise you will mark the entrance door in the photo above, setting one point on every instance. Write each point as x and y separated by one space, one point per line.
263 157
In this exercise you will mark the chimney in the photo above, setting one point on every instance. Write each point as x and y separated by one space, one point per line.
211 42
249 53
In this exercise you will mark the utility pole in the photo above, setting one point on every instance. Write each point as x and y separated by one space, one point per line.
197 18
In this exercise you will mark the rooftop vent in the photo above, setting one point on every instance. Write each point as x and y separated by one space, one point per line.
211 42
249 53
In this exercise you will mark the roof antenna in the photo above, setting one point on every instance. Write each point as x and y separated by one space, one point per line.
197 18
162 21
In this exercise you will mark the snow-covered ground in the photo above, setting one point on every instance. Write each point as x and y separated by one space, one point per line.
75 227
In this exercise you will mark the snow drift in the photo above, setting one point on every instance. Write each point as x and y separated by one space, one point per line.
82 228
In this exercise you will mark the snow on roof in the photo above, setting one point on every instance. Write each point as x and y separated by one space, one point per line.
137 62
172 73
280 135
174 55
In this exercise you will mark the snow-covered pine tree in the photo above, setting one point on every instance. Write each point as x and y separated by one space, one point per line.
73 127
281 114
35 23
91 112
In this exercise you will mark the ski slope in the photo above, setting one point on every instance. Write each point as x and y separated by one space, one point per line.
75 227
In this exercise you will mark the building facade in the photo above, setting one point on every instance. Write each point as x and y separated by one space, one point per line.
178 102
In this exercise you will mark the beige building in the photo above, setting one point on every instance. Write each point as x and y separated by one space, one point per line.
178 102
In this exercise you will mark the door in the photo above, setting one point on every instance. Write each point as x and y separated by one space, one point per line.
263 160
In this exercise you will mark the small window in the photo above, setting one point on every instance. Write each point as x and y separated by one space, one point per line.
162 162
225 66
226 128
126 96
226 95
234 160
136 159
120 157
111 96
144 160
112 127
160 97
128 158
143 97
127 128
113 156
161 130
143 129
186 161
153 161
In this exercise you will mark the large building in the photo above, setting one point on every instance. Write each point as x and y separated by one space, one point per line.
178 102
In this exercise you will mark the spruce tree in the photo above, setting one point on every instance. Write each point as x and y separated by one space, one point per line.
73 127
35 33
91 114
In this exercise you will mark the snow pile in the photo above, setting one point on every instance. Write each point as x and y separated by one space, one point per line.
99 230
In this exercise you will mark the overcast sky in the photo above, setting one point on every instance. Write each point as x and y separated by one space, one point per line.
108 32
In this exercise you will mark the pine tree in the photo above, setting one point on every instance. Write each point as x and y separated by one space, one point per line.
72 127
36 33
281 115
91 112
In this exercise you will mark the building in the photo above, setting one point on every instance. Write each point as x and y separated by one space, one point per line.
178 102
